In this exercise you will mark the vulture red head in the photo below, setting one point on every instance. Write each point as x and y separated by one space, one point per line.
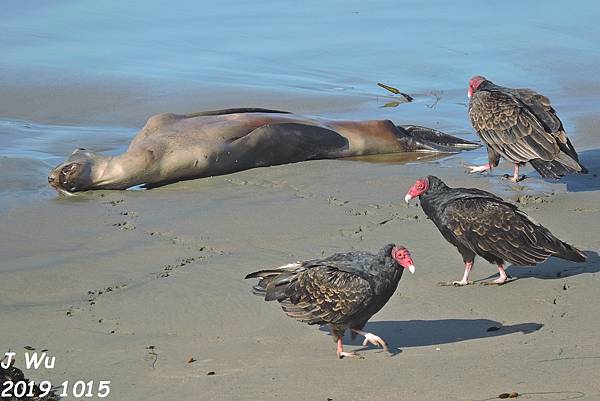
474 84
401 255
420 187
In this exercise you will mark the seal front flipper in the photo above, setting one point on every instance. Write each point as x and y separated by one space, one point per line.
423 138
274 144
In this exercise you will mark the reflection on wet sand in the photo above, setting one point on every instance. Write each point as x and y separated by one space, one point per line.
399 158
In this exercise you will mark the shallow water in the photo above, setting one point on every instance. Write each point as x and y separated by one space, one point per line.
28 151
313 45
158 51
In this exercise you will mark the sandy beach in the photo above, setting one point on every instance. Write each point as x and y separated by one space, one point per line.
128 286
146 289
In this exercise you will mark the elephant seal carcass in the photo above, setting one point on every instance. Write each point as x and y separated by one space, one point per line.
174 147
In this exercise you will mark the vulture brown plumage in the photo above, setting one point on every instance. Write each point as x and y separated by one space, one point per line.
521 126
343 290
480 223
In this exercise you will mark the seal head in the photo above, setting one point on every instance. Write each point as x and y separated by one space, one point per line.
75 174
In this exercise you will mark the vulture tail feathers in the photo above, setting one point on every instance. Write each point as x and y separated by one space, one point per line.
558 167
272 284
569 252
259 290
263 273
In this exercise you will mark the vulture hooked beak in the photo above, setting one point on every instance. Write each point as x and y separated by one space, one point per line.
407 198
411 269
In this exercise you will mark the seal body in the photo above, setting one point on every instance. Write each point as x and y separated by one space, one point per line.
174 147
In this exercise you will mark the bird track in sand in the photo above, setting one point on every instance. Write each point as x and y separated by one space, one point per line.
94 295
179 240
169 269
378 214
122 225
201 252
272 185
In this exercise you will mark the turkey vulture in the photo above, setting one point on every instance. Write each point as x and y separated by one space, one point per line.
480 223
521 126
343 290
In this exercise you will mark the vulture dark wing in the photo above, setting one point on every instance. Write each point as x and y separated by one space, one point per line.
511 128
325 294
497 230
357 262
541 107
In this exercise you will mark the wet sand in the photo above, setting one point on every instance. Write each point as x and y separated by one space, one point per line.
127 286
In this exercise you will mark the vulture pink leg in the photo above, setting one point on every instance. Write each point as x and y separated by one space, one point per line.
465 279
515 177
479 169
503 276
340 350
373 339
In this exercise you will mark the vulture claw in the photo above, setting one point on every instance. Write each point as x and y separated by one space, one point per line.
344 354
498 283
513 179
477 169
453 283
375 340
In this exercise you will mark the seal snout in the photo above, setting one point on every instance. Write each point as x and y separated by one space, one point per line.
53 179
65 178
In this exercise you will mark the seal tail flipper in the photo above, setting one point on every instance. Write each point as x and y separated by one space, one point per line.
433 140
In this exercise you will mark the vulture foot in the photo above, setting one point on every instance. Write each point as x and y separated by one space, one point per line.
513 178
376 341
478 169
345 354
495 283
454 283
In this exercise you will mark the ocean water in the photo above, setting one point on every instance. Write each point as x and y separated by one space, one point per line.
339 49
314 45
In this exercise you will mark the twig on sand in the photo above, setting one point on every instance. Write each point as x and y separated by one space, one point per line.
438 97
569 358
395 91
569 395
152 354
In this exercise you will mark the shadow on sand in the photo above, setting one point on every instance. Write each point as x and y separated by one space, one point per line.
585 182
554 268
419 333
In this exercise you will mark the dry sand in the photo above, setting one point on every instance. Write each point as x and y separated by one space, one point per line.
127 286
